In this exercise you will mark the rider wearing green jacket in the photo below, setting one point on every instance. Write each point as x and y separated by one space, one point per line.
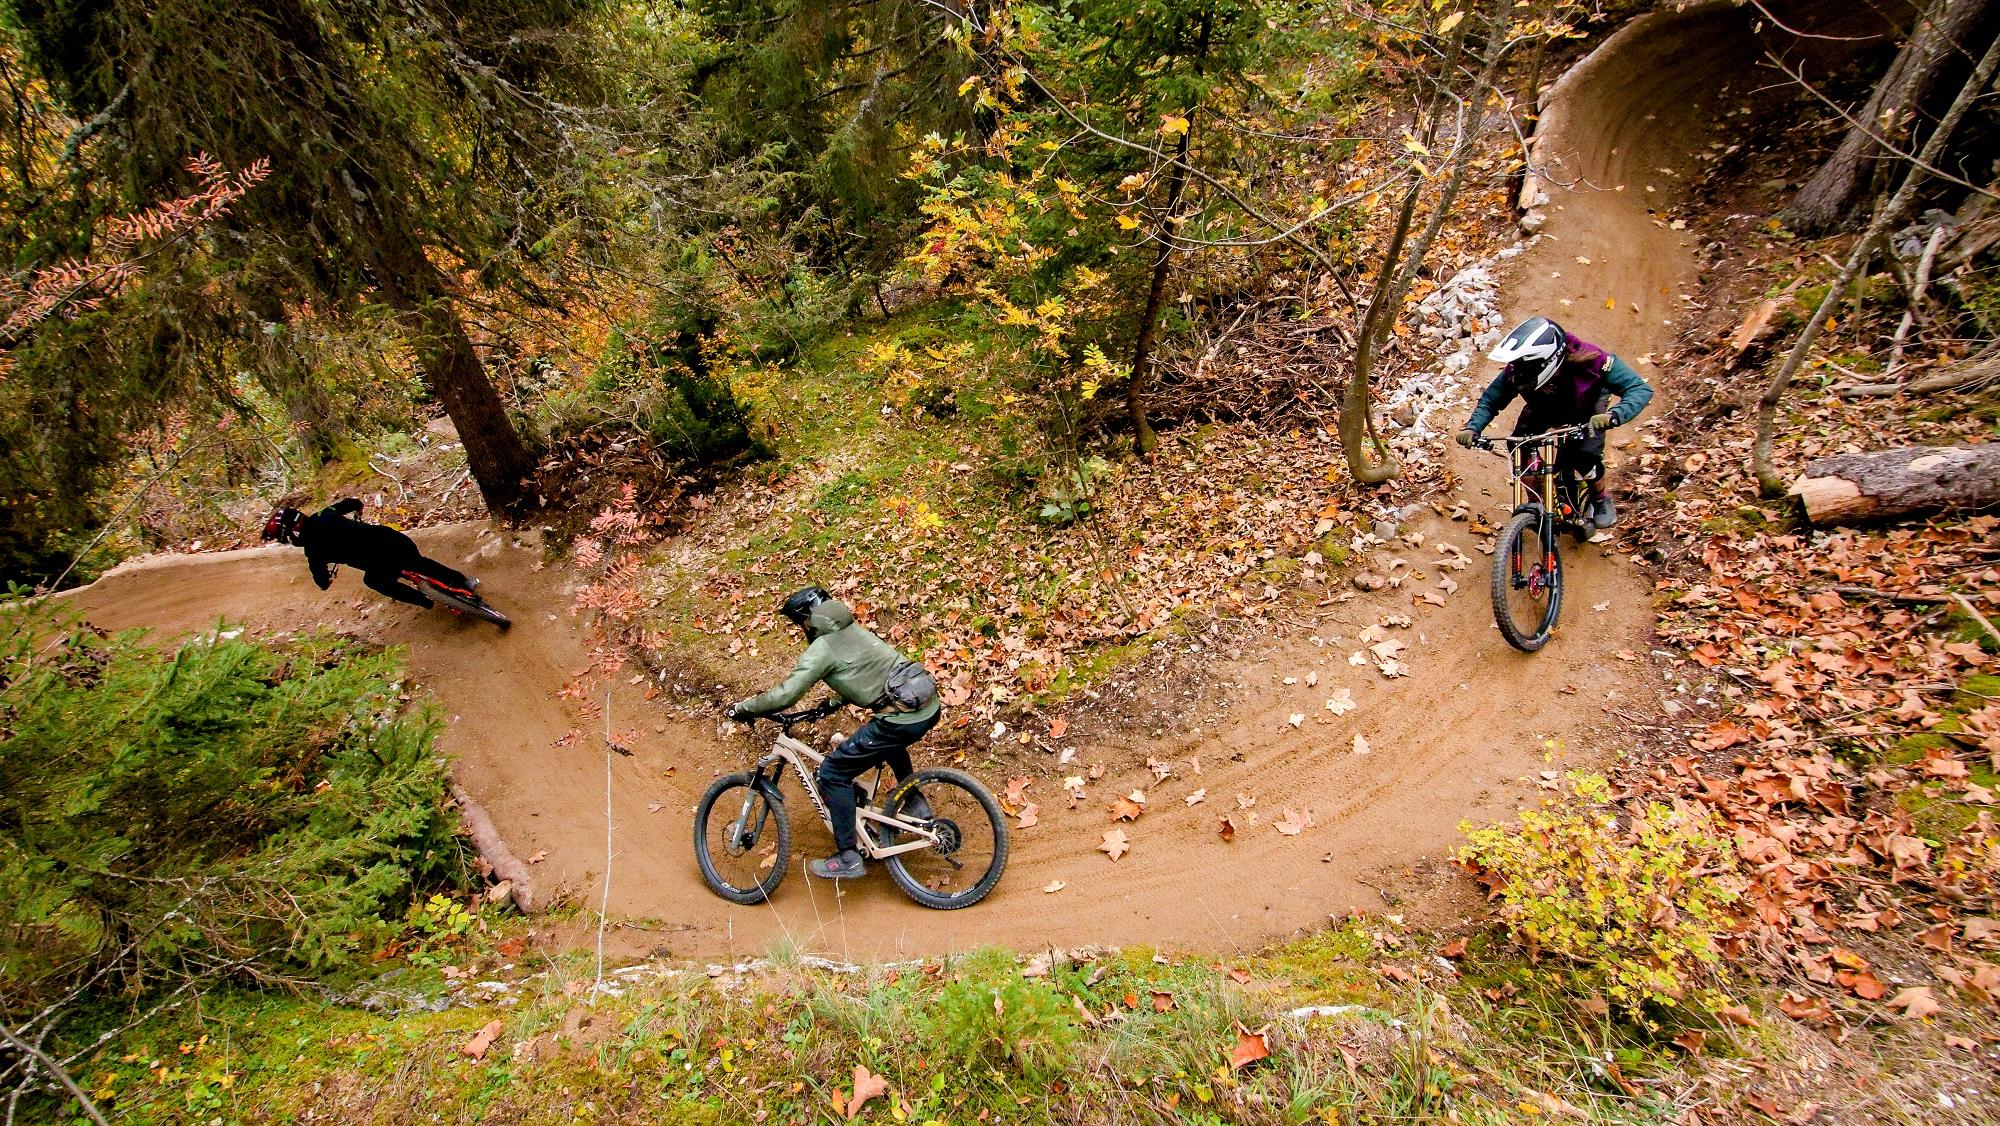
856 665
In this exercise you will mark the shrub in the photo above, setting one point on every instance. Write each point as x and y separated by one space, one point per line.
1626 902
218 807
989 1016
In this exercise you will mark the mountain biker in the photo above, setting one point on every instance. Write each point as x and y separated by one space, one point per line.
1563 380
381 554
857 666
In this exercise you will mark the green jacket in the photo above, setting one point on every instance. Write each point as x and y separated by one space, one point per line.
853 662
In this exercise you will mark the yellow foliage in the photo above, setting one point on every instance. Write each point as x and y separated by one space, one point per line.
1626 902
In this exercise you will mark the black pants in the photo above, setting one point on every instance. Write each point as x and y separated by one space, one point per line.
389 579
1583 456
877 742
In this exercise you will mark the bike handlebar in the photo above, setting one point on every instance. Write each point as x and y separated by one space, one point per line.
806 715
1557 434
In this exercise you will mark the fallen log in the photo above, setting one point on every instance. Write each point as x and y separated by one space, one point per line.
506 866
1890 484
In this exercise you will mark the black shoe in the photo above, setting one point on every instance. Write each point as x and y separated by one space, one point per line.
1603 513
915 807
846 865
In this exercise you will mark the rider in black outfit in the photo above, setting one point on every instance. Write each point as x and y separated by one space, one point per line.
381 554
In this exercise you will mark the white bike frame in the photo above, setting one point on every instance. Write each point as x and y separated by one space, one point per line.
787 749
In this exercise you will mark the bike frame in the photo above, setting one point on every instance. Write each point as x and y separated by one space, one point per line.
787 750
1532 469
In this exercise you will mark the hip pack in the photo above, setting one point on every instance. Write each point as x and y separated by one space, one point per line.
910 688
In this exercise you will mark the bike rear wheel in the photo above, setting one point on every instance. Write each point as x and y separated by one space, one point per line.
742 838
470 605
966 865
1527 582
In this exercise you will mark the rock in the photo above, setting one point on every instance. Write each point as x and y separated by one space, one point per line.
1405 414
1533 221
1384 530
1369 580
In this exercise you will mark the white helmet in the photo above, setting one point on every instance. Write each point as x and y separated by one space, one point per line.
1533 352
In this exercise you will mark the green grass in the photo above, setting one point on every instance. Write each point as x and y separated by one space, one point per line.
1129 1036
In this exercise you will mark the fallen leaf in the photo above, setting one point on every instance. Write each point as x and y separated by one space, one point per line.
867 1085
540 855
1125 809
1250 1047
1197 797
1453 949
1053 886
1115 844
1240 977
1360 744
1017 792
1058 727
510 947
1865 985
1915 1001
1737 1015
1245 801
479 1044
1029 816
1163 1001
1228 829
1341 702
1296 718
1801 1007
1293 822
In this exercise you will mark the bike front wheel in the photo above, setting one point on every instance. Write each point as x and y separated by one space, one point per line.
742 838
964 865
1527 582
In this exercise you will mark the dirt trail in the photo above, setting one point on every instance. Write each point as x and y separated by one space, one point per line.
1462 736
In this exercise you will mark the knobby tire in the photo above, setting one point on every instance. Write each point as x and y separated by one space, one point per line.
1525 530
733 785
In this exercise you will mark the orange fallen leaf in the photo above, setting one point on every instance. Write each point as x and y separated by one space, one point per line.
1115 844
1125 809
1250 1047
1453 949
867 1085
1915 1001
1162 1000
1228 829
1029 816
479 1044
1058 727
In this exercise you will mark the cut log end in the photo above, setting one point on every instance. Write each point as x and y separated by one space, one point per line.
1900 483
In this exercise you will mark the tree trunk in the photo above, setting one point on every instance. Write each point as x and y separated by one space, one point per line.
414 288
1947 34
1143 438
1357 421
1892 484
1886 216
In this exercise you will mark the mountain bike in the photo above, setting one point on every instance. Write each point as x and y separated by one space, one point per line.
940 832
452 600
1527 585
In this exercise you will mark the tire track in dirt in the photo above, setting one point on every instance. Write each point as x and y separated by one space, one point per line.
1461 737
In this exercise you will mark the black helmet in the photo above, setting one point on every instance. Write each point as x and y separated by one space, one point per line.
1533 352
799 605
283 524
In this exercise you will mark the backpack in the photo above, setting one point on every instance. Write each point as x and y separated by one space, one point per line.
910 688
